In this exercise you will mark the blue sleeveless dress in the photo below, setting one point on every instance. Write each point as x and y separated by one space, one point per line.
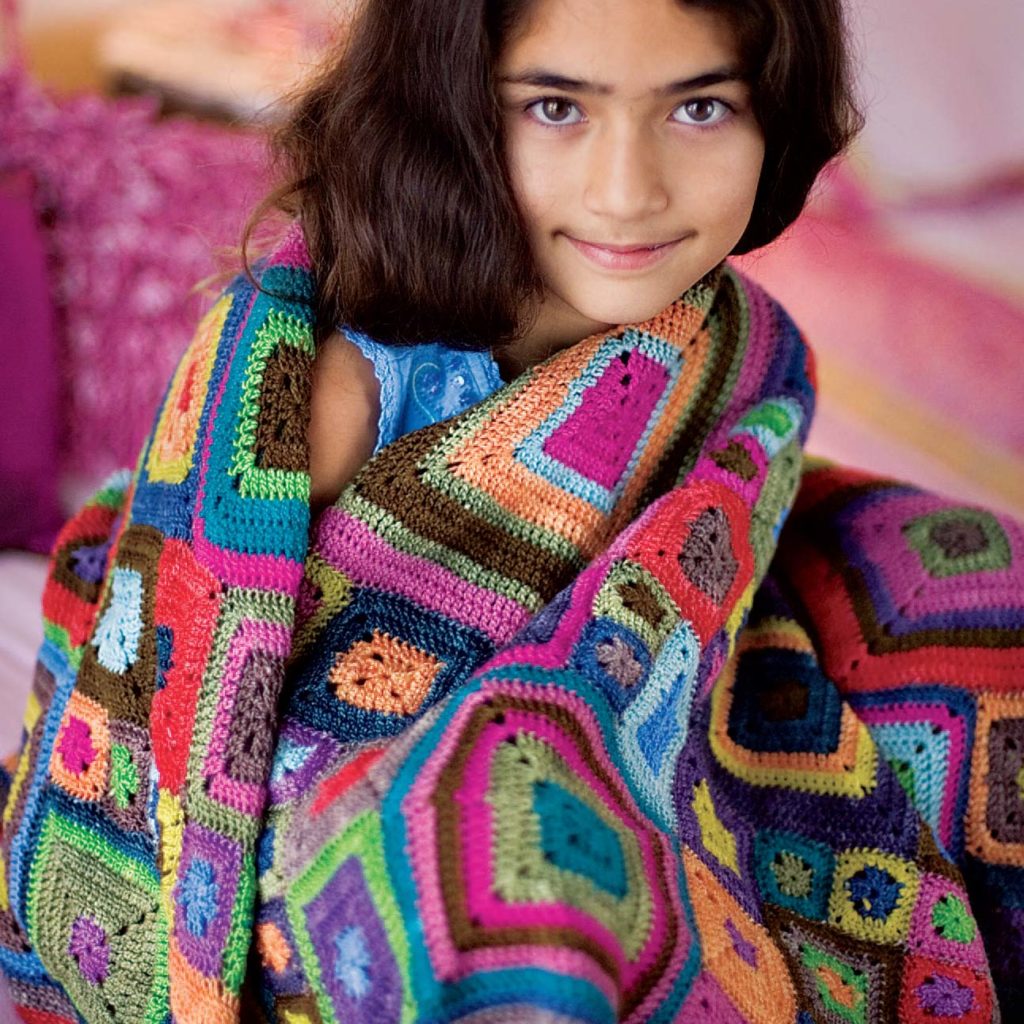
423 384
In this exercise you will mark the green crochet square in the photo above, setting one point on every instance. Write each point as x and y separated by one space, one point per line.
270 450
957 541
97 924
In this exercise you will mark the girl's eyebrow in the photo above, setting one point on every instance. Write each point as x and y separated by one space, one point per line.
550 80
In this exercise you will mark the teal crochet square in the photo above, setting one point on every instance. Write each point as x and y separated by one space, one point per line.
794 872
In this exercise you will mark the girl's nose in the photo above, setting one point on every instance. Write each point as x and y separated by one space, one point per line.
624 176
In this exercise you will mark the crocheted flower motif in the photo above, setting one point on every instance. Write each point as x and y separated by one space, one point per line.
89 561
119 631
874 893
707 557
198 896
617 659
352 961
288 758
952 920
89 948
76 747
942 996
793 875
124 777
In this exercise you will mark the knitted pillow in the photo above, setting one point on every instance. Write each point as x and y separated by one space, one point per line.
137 208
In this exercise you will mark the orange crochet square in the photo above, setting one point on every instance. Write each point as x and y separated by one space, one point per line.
384 674
80 760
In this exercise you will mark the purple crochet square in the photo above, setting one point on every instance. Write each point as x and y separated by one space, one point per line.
204 896
357 967
253 666
301 755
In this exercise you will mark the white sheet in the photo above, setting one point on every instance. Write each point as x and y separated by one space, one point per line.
21 631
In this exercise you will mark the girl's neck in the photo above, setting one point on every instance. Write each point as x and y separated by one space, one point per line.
556 326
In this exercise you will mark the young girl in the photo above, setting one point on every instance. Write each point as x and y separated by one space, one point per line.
541 721
507 179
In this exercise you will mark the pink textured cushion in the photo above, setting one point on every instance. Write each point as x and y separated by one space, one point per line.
137 209
29 413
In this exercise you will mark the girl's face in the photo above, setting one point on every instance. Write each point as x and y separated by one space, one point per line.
634 154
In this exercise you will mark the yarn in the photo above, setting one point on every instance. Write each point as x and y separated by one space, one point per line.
559 714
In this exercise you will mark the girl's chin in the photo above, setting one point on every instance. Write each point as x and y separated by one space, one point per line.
630 311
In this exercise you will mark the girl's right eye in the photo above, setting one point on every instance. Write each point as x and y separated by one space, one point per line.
555 112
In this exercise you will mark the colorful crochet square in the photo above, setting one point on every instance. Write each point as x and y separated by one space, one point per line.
251 491
350 933
205 897
958 541
233 722
738 951
432 653
623 389
873 895
839 980
172 449
898 622
794 872
926 733
106 943
844 766
572 876
118 668
995 816
943 926
80 761
941 993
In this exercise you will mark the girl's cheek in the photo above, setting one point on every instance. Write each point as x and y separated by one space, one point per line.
536 175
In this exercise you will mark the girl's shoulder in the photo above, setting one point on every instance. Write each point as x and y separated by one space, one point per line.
422 384
366 394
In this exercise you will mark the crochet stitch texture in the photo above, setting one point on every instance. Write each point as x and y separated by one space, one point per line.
550 721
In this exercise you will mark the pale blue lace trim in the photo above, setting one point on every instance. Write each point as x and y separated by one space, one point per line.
424 384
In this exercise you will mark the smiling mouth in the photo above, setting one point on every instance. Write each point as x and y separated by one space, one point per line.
633 256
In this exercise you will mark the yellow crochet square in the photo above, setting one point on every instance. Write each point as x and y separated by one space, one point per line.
173 447
873 895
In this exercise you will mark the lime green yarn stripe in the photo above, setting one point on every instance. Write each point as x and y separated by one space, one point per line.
124 776
278 328
59 637
110 495
363 839
773 503
236 948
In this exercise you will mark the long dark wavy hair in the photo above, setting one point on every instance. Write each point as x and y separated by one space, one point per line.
393 160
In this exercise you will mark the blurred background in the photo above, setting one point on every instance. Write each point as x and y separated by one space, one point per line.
131 152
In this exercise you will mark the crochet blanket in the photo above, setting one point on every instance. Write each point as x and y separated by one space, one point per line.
550 721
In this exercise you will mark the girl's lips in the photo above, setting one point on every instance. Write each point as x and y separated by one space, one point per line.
623 257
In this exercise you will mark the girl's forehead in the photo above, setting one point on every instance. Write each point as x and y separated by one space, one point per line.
623 40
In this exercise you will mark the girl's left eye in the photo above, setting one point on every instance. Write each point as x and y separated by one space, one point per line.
702 113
